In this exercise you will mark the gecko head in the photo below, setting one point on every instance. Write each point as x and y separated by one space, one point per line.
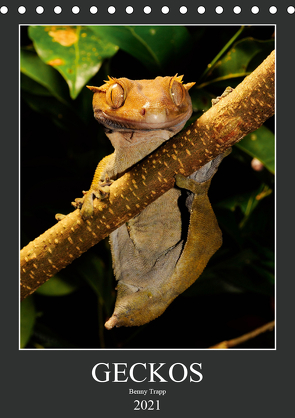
123 104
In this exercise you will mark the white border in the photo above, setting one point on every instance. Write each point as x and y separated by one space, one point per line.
275 189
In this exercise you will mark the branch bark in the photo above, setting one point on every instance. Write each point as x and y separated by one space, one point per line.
241 112
246 337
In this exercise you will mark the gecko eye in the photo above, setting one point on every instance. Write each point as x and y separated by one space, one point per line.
115 96
176 92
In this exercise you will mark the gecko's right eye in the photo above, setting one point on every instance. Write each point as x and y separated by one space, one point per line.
115 96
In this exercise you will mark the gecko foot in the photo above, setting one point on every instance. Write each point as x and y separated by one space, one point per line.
85 203
59 216
226 92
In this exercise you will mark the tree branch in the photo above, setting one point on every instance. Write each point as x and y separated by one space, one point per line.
241 112
243 338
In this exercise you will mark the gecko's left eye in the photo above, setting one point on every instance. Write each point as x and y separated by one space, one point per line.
176 92
115 96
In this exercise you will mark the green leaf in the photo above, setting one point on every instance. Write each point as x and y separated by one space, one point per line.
247 202
261 145
56 286
33 67
237 61
75 51
153 46
27 320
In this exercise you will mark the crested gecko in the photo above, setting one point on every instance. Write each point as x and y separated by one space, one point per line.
154 257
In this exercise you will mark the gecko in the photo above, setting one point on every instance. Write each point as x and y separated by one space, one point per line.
156 255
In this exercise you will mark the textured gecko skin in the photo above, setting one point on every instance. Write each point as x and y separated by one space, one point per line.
157 254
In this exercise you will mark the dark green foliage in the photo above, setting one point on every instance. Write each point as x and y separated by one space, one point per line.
61 145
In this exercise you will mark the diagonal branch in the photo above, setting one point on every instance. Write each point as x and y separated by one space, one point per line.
246 337
241 112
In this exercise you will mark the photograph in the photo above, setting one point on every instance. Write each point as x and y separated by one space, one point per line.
147 186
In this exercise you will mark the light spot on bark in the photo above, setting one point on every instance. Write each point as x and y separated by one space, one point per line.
70 240
180 162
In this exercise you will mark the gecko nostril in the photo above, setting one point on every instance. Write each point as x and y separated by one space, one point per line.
142 111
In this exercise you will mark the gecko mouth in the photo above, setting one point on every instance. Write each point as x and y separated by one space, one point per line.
131 126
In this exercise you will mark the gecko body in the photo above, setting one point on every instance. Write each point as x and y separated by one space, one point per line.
155 257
